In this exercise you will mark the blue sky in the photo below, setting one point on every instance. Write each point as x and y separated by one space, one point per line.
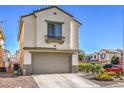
102 25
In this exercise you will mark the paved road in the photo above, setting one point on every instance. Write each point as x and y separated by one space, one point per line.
63 81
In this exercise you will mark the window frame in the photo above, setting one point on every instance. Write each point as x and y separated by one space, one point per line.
53 23
53 29
102 56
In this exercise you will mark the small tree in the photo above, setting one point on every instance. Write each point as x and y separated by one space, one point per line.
93 68
115 60
81 55
0 46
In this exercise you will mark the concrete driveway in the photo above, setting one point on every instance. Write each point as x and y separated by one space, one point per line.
63 81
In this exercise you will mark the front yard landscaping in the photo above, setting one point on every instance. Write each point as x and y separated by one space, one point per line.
13 81
109 74
102 83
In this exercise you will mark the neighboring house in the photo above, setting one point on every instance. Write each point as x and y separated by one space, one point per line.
6 57
94 57
2 39
87 58
18 57
121 51
105 55
49 41
13 59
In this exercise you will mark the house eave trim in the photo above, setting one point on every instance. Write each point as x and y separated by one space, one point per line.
51 50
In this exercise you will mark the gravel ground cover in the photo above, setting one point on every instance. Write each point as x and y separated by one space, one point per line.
12 81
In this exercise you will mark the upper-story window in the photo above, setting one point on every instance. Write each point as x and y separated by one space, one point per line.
102 56
94 56
91 56
55 30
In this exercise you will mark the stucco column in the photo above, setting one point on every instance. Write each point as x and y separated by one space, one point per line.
27 66
75 62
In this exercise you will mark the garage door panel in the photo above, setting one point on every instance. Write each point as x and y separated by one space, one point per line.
50 63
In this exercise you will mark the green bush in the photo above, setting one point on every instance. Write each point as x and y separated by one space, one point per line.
0 46
98 68
15 72
93 68
90 67
115 60
81 67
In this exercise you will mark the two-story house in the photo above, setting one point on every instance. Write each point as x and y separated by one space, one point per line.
94 56
2 39
104 56
49 41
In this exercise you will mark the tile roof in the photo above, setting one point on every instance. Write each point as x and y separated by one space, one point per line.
50 7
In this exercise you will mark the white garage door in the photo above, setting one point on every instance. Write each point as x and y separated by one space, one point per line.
51 63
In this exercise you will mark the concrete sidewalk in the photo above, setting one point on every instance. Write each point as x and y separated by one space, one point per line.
119 85
63 81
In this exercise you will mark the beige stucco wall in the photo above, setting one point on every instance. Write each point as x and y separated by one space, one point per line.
27 57
36 29
29 31
21 44
75 58
74 35
42 28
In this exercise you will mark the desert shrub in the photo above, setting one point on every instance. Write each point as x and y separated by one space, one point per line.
82 67
98 68
103 77
90 67
87 67
102 71
93 68
0 46
111 73
107 66
15 72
